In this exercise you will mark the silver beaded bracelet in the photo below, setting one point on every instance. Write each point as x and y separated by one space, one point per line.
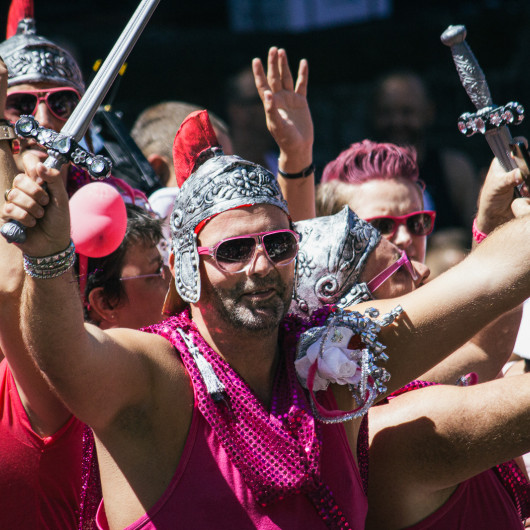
52 266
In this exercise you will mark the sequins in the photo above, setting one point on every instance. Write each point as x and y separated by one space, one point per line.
276 451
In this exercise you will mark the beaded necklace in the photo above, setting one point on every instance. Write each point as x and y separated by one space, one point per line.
277 452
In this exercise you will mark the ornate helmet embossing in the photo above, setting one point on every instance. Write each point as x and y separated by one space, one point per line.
31 58
210 183
332 254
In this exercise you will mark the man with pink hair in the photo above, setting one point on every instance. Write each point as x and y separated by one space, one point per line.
380 182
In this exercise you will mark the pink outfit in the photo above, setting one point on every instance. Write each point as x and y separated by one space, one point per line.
480 502
213 486
494 499
40 478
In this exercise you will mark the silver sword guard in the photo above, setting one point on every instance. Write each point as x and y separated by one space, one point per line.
63 148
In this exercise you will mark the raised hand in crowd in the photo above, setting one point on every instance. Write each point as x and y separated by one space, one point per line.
289 121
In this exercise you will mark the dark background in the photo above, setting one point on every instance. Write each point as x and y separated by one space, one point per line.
188 50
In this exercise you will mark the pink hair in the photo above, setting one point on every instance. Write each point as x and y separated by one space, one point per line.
367 160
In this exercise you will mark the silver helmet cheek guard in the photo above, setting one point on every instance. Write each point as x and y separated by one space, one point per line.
221 183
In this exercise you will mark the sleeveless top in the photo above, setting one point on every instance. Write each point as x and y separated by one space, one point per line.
494 499
480 502
40 478
211 489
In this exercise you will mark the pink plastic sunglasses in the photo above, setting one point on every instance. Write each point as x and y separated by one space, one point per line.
60 101
383 276
235 254
419 223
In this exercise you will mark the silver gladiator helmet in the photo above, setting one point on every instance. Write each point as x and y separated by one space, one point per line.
31 58
210 183
332 253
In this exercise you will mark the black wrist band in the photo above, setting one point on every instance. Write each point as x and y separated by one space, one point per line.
304 173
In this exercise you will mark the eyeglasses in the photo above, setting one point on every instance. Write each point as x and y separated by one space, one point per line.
418 223
236 253
383 276
162 273
60 101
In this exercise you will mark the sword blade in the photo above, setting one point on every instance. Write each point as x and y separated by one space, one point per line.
501 141
81 117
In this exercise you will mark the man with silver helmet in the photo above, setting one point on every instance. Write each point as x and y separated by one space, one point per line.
423 473
202 420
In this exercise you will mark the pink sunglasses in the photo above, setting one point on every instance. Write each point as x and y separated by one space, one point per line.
60 102
235 254
419 223
383 276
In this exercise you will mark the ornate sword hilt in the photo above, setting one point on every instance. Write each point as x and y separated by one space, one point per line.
489 119
63 148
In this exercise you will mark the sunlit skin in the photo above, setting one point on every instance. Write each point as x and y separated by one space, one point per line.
141 305
45 119
396 196
239 313
255 299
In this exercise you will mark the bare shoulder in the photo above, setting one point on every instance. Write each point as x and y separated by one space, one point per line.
137 373
400 491
157 352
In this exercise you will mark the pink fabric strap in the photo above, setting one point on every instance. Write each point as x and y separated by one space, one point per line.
324 412
478 236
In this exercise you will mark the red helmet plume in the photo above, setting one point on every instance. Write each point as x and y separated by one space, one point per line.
194 137
18 10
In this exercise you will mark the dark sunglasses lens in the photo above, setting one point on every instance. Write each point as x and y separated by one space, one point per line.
281 247
63 103
384 225
21 104
232 253
419 224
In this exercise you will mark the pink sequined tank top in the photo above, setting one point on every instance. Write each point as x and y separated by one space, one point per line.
209 490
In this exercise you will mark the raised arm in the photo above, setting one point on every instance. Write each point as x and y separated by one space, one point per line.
45 411
491 347
443 314
98 374
289 121
426 442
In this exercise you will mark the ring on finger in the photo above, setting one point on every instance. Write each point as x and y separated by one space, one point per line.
6 194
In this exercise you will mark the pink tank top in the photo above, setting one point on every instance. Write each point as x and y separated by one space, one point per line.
498 498
40 478
481 502
209 491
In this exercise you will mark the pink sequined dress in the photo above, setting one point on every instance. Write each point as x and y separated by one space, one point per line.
245 467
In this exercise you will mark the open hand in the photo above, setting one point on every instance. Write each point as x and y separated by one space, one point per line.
286 109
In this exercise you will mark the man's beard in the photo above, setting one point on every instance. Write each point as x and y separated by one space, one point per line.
259 316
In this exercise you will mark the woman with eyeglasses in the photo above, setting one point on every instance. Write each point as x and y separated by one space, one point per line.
127 288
